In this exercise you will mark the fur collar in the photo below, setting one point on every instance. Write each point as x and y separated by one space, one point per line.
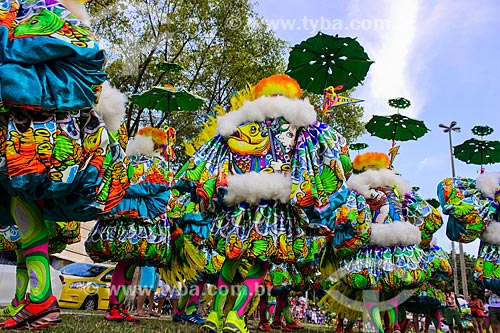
298 112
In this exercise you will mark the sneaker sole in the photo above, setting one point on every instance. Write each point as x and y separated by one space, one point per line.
49 320
208 328
231 328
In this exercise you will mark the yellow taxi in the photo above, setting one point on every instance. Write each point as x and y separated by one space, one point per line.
86 286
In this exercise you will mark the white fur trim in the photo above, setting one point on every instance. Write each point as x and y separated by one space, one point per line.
488 183
252 187
142 145
363 182
492 233
111 106
396 233
78 9
298 112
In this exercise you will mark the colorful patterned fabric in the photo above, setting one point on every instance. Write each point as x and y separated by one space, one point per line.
53 147
469 212
130 240
385 269
426 298
137 228
487 269
49 50
421 214
60 235
269 229
373 266
351 226
430 295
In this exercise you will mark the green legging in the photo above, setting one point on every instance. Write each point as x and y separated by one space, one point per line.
22 278
34 244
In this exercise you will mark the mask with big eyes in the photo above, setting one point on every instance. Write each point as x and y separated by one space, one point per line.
249 140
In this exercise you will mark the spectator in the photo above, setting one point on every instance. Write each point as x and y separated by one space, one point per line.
162 295
452 311
494 311
477 311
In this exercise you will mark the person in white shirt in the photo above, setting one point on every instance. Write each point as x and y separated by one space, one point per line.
493 310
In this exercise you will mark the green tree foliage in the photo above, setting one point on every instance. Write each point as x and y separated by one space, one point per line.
470 262
221 44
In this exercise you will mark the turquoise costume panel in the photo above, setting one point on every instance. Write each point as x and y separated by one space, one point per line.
137 229
53 147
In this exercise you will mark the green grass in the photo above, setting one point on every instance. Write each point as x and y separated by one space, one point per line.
93 321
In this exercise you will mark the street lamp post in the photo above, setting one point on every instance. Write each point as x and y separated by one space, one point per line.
448 129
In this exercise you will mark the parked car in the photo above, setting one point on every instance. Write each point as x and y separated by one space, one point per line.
8 278
86 286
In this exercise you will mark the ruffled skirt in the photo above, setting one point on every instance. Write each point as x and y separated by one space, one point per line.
385 268
134 240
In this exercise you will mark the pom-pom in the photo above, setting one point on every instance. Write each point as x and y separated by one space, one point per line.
159 136
278 84
373 161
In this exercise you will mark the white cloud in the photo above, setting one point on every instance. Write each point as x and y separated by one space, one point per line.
391 49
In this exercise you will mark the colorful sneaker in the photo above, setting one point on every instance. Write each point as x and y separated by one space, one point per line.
35 316
11 310
193 318
126 316
177 318
113 314
235 323
214 322
264 326
294 326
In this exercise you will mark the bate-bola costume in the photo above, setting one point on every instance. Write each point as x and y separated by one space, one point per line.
472 206
56 155
137 231
381 250
271 170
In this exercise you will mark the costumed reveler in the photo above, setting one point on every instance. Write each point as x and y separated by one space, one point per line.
378 241
60 234
429 298
472 206
271 170
57 159
137 231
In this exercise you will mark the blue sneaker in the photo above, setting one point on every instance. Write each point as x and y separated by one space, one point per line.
177 318
193 319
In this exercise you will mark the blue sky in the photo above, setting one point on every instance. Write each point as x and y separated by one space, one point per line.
444 56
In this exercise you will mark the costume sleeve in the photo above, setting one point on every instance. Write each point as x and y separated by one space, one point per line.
199 187
420 213
469 212
318 175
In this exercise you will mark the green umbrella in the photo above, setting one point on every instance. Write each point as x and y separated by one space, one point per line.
396 127
168 99
358 146
479 152
324 60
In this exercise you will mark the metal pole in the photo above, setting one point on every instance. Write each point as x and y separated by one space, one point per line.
463 272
